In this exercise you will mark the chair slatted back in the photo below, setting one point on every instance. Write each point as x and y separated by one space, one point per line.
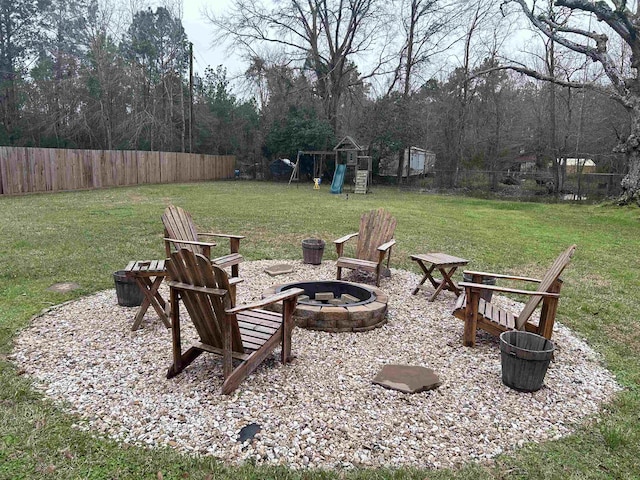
206 311
547 281
178 224
376 227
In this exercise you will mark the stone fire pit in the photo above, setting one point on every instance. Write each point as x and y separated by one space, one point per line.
336 306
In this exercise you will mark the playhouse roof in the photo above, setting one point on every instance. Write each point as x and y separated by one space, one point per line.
348 143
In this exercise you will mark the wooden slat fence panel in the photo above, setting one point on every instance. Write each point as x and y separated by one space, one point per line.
143 170
29 170
65 167
119 168
36 170
169 171
6 162
153 162
130 167
96 168
20 171
51 170
14 178
3 170
62 171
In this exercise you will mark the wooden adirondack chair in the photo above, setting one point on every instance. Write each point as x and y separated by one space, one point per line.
180 232
478 313
245 333
375 240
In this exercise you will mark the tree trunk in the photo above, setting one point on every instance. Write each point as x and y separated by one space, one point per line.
553 127
631 181
8 103
400 169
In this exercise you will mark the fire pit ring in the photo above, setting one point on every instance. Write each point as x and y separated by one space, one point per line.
340 307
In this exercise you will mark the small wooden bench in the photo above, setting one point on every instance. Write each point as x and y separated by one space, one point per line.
445 264
142 271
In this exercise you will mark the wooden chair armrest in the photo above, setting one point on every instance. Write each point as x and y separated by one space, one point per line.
481 286
234 240
222 235
386 246
499 275
286 295
190 242
192 288
345 238
235 280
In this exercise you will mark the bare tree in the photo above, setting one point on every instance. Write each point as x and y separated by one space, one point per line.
426 26
324 36
613 17
20 31
478 15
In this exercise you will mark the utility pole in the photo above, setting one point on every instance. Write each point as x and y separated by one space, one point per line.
190 97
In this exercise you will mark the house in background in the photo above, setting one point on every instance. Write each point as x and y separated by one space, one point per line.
524 163
415 161
527 163
575 165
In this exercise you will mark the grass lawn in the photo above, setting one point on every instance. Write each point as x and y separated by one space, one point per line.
83 237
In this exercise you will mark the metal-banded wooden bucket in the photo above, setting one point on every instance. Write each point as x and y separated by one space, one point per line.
312 251
127 290
525 359
486 295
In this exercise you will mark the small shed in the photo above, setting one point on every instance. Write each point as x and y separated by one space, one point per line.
415 161
524 163
575 165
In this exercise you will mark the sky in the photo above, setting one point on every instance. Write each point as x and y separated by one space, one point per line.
200 32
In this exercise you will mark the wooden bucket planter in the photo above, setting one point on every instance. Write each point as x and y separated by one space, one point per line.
312 251
486 295
525 359
127 290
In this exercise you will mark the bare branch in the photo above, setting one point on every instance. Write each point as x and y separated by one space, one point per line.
547 78
597 53
617 19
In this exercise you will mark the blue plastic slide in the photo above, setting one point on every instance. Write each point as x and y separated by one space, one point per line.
338 179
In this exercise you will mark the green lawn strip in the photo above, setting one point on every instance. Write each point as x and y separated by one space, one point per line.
83 237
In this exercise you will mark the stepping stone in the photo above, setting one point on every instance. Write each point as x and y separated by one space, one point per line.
407 378
63 287
279 269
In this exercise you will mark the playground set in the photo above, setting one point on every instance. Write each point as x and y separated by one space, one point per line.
349 163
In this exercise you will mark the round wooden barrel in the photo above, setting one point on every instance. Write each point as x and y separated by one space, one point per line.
127 290
525 359
312 250
486 295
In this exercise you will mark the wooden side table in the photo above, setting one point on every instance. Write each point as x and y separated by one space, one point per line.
142 271
445 264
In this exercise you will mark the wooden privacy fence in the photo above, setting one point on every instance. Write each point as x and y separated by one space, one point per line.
28 170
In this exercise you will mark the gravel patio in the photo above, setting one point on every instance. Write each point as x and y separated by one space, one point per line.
322 410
